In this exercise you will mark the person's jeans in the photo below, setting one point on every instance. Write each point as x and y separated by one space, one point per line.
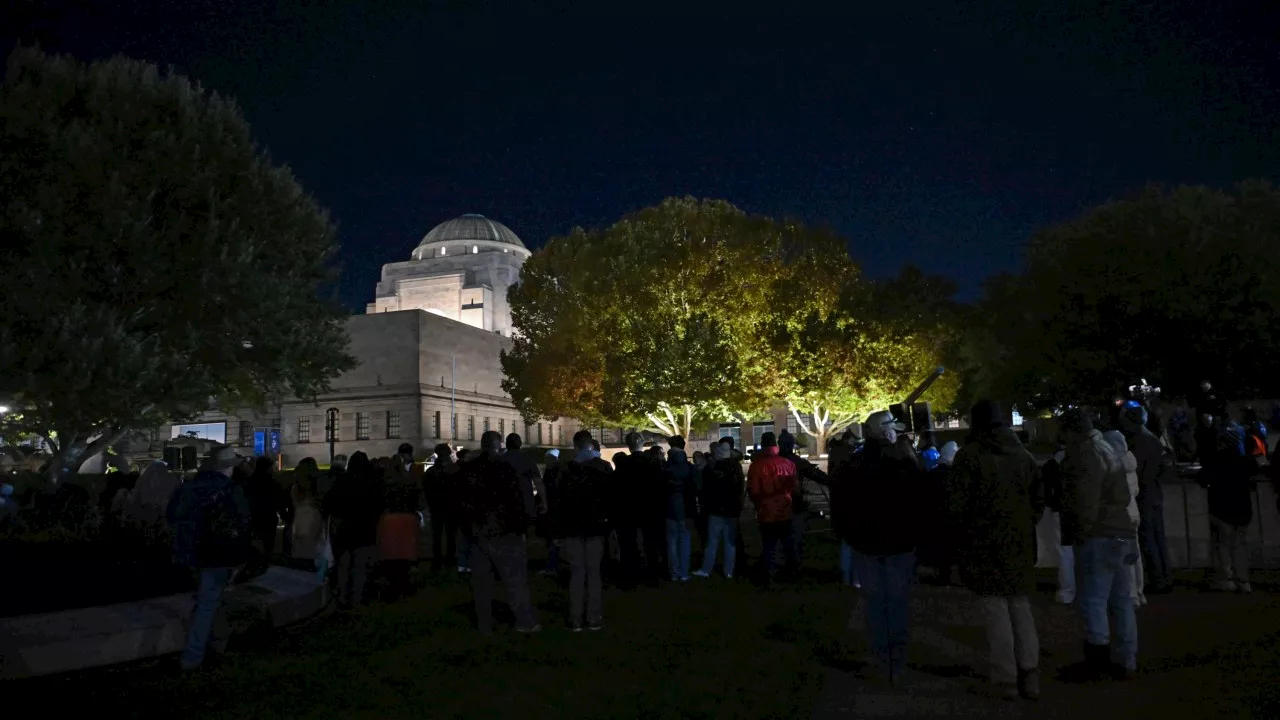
678 549
772 533
848 574
213 581
1105 597
505 557
720 529
1011 634
585 590
1230 550
886 589
353 573
1155 549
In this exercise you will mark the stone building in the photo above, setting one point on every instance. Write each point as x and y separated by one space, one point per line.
428 350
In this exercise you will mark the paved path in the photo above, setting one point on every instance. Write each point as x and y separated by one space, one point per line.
1180 637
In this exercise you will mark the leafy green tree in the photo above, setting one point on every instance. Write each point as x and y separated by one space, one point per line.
157 262
1176 286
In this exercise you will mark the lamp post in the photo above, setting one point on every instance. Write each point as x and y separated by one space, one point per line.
331 428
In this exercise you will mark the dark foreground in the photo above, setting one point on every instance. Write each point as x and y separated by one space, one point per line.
712 648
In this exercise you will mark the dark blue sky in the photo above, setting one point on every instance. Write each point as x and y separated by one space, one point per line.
944 135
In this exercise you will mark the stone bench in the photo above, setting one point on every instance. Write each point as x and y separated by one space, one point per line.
57 642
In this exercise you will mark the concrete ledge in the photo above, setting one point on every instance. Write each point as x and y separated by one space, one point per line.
90 637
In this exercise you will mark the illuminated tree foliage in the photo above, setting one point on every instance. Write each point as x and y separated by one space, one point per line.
1177 286
156 260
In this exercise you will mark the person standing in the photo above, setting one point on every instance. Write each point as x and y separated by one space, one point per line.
770 482
550 483
1227 473
401 522
353 506
682 509
579 521
493 516
1155 467
882 486
210 518
1117 441
723 488
1058 535
998 499
436 482
1096 506
805 470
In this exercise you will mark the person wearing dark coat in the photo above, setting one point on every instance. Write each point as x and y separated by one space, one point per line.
354 505
640 503
937 538
805 471
998 499
1227 472
437 481
724 487
1155 466
682 509
579 515
268 503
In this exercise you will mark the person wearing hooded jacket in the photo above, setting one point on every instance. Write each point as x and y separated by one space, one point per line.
998 498
770 482
1137 579
1155 466
1096 501
682 508
880 487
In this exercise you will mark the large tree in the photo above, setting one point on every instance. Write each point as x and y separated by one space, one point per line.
157 262
1176 286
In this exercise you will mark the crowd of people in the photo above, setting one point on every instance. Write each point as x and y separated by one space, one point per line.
900 506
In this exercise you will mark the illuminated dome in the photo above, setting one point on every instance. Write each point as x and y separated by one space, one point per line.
469 233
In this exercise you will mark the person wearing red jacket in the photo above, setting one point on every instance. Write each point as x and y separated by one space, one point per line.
770 481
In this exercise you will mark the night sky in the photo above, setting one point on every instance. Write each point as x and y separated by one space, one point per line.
941 136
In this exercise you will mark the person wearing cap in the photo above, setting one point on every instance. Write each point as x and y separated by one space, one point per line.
1155 466
998 499
1095 514
805 470
881 488
770 482
211 535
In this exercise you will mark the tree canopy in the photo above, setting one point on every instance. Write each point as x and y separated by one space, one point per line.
157 261
1174 285
693 312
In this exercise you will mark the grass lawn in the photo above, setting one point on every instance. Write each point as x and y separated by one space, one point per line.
711 648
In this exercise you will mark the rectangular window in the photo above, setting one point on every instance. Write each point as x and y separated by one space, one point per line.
1017 419
539 433
246 432
502 426
363 425
334 433
560 434
732 431
304 430
486 423
393 424
793 427
275 423
759 429
471 427
435 426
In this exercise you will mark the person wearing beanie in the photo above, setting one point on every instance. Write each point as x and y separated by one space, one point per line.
805 470
1155 467
998 500
878 515
723 489
771 480
1096 513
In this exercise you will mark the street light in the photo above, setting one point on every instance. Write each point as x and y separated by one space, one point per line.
331 427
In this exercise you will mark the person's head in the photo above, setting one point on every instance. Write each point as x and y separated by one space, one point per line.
444 453
339 462
721 451
676 442
985 416
406 452
947 453
552 457
491 442
768 440
1206 386
222 459
786 441
359 465
635 441
1132 417
514 442
263 467
1116 440
882 426
1074 424
582 441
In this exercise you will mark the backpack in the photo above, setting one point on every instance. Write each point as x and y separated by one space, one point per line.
224 538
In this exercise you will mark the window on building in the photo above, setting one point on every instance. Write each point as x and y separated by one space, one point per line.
560 434
758 430
486 423
734 432
539 433
393 424
953 423
502 426
471 427
363 425
1017 419
246 431
793 427
304 430
334 432
275 423
435 426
